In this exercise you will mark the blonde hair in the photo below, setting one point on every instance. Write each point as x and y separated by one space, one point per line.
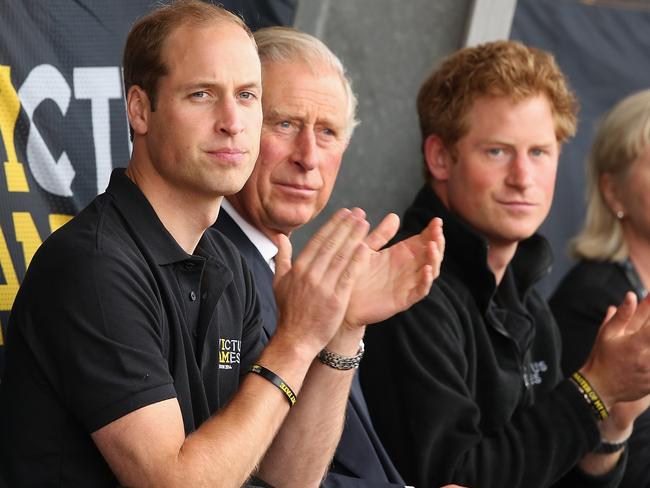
286 44
500 69
622 135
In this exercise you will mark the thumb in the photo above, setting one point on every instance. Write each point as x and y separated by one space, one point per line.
611 310
383 233
283 257
641 316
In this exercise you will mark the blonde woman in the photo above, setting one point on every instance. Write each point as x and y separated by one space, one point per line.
613 249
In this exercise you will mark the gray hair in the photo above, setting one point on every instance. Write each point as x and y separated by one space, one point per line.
286 44
622 136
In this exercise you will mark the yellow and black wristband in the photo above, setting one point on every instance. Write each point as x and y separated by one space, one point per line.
598 407
269 375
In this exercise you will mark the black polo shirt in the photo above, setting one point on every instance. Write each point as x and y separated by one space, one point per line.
112 316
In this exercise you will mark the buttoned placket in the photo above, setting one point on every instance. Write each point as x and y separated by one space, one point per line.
189 274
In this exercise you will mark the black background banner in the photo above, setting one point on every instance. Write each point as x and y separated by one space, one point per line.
63 126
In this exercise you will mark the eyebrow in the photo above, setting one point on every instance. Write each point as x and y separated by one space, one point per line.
195 85
500 142
275 114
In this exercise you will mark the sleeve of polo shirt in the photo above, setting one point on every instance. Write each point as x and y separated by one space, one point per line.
103 328
252 332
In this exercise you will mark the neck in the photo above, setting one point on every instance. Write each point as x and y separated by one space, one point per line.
499 256
184 214
272 234
639 251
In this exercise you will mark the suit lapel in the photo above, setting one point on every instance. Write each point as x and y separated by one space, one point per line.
262 274
360 449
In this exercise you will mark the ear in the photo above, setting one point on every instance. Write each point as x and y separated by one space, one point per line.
437 158
138 109
609 189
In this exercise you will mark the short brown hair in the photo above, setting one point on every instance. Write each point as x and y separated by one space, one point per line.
500 68
143 65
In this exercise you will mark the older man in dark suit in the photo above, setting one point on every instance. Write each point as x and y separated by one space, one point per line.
309 116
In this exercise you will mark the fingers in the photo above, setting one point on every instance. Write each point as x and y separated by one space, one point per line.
383 233
431 234
425 275
329 251
314 245
611 310
340 249
640 326
434 245
349 275
436 234
438 251
642 316
624 313
359 212
283 257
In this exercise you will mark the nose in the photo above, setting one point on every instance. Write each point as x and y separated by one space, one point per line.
520 172
306 150
229 117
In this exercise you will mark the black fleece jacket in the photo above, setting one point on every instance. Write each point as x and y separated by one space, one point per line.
466 386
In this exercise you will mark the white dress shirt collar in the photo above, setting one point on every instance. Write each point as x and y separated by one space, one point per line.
264 245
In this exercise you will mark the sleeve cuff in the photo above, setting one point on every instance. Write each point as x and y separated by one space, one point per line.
610 479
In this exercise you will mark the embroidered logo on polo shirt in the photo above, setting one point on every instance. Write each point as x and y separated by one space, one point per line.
229 350
533 373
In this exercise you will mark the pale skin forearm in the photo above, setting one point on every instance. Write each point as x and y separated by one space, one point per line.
225 449
314 425
615 430
597 464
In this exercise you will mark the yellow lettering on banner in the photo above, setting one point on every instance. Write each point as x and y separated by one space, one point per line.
9 110
224 357
10 288
27 235
58 220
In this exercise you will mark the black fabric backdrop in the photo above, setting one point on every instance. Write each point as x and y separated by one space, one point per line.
604 49
62 120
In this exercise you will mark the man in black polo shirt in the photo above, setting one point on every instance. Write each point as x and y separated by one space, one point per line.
134 325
